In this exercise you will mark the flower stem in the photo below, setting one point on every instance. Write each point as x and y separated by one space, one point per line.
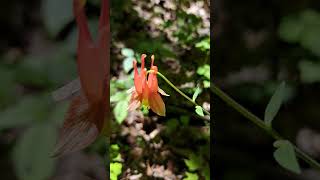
180 92
260 123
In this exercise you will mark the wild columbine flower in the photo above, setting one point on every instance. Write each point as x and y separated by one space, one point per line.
85 118
146 90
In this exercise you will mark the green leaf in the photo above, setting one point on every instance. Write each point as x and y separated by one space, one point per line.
114 152
206 84
115 170
115 147
193 162
61 69
57 14
285 156
7 92
206 173
33 71
309 71
127 52
204 44
120 111
311 40
26 111
204 71
31 154
311 27
310 17
274 104
119 96
191 176
127 64
196 93
117 157
58 112
290 29
199 111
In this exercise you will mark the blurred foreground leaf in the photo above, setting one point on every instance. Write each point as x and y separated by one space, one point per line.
28 110
7 91
290 29
32 152
302 28
57 14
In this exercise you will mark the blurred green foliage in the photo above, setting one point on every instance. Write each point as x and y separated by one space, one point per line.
303 28
115 165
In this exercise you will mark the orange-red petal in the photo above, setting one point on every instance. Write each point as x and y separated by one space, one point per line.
152 80
156 104
137 78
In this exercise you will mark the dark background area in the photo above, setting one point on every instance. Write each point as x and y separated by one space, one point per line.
257 45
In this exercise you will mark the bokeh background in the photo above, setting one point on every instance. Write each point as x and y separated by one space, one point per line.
257 45
37 56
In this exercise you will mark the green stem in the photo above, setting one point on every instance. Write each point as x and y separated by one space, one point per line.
260 123
180 92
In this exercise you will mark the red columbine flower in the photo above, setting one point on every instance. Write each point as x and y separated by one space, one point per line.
146 90
85 118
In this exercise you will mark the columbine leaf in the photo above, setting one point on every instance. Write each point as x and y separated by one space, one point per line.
115 170
204 71
285 156
127 64
127 52
119 96
199 111
120 111
193 162
191 176
206 84
274 104
196 93
204 44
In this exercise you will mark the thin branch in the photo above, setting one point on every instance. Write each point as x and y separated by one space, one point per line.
260 123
